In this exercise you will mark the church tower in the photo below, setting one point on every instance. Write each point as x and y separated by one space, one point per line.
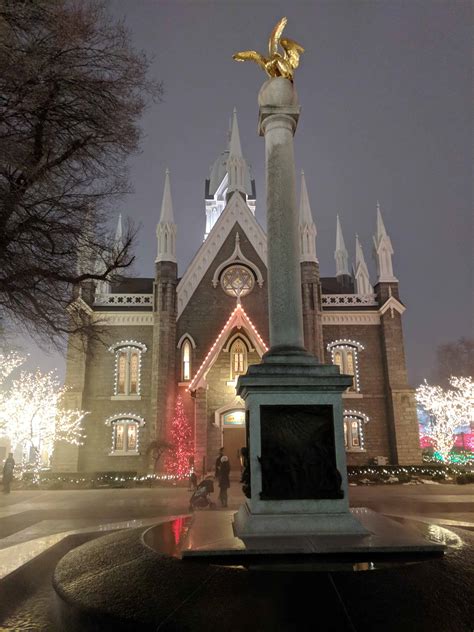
310 281
164 316
402 416
229 165
383 252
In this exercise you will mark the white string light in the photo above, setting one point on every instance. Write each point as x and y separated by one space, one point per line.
127 345
34 417
218 339
126 419
356 415
448 409
348 345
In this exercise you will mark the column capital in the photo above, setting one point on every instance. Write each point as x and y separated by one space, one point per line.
280 116
278 100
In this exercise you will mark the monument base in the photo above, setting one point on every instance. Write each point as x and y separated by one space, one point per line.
246 524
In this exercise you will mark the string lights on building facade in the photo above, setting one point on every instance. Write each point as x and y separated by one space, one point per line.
345 353
176 315
238 312
125 442
128 367
354 441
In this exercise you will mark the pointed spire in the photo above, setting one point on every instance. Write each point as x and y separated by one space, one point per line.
361 271
307 226
235 148
340 254
306 216
381 232
236 166
360 259
383 251
166 215
166 228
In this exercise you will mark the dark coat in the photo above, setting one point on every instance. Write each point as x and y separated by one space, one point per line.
223 476
8 467
218 464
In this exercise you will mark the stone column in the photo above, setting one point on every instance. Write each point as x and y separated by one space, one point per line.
278 117
294 404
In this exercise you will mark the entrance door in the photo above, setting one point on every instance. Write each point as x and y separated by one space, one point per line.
234 439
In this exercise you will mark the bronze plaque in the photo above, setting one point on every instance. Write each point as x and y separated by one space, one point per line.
298 458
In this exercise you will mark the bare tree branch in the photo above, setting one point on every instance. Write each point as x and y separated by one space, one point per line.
72 90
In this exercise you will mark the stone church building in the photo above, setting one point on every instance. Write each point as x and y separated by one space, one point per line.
194 334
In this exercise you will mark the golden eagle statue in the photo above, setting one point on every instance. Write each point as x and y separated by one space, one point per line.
276 64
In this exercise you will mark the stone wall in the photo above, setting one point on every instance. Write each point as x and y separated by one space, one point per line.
209 308
372 398
98 398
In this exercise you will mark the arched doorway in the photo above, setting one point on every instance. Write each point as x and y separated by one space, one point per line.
232 422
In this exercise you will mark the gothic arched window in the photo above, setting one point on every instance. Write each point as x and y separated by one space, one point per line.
344 354
238 358
125 434
186 361
353 430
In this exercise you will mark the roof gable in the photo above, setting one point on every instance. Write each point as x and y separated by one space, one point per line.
235 211
238 319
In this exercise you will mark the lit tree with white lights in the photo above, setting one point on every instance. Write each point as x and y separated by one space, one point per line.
448 408
33 418
8 363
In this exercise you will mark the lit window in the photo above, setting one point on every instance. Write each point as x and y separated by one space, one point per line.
238 358
345 355
127 367
125 433
125 436
186 361
353 430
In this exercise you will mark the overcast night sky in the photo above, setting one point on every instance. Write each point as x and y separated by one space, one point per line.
385 90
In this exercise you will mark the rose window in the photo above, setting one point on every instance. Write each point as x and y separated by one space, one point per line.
237 281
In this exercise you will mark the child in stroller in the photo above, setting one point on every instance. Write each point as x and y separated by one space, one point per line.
200 498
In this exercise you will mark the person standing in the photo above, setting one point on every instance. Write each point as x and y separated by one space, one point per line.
223 478
8 468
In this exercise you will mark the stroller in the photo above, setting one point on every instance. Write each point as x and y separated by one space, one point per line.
200 498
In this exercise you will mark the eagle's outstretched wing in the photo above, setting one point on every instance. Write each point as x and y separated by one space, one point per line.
251 55
293 51
275 37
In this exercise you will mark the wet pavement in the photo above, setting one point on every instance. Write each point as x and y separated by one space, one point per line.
27 517
166 593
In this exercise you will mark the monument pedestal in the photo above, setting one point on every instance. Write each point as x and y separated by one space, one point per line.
249 525
297 460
